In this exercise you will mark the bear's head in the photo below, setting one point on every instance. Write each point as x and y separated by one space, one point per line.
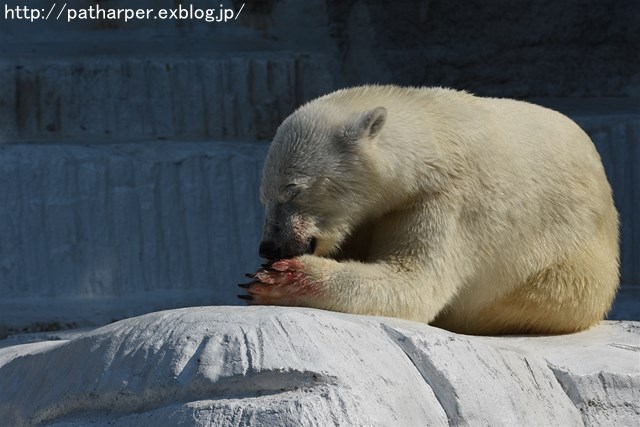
319 180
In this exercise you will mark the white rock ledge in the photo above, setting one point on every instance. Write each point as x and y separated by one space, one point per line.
298 367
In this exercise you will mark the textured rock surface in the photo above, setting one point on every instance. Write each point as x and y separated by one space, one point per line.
592 370
499 48
93 233
293 366
132 96
505 48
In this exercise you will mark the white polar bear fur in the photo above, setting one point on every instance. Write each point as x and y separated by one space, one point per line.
479 215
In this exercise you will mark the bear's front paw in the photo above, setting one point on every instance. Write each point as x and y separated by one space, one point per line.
284 282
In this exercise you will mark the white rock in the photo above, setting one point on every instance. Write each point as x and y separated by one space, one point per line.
598 368
297 367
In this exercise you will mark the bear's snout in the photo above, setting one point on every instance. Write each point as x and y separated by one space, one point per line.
271 250
311 248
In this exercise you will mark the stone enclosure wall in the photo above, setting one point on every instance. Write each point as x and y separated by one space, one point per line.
130 154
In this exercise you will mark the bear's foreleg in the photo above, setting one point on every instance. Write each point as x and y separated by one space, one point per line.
382 288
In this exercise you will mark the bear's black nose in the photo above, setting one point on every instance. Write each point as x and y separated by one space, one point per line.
268 250
312 245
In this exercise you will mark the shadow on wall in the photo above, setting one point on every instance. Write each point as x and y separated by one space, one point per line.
518 49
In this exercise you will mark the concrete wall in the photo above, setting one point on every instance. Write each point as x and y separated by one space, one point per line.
509 48
128 157
92 233
128 96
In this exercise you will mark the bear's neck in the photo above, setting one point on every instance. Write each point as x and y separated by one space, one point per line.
408 165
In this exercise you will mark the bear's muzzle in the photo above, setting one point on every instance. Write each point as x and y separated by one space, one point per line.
271 250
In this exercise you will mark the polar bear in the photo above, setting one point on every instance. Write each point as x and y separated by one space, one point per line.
477 215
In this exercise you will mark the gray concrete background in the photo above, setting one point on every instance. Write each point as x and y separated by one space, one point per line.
130 153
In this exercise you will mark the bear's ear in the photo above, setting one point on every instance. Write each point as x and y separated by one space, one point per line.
368 124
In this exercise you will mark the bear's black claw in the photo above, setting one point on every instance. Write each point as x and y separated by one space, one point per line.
249 275
246 297
246 285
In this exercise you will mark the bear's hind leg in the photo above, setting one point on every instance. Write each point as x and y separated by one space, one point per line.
559 299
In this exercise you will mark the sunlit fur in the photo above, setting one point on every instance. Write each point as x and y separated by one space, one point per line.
479 215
